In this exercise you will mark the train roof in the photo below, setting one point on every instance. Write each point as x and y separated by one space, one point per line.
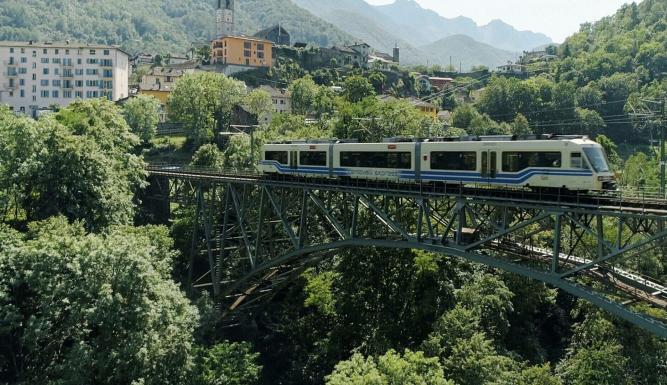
470 138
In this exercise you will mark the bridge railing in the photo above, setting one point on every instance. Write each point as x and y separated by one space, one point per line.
623 197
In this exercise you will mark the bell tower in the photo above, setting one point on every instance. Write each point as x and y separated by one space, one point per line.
224 18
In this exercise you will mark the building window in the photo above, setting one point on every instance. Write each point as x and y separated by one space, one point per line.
246 53
34 53
54 94
44 51
34 89
55 83
57 51
78 72
66 52
79 83
22 93
45 71
56 71
91 71
24 60
34 98
11 83
67 94
260 55
92 52
11 60
108 73
23 70
22 50
45 60
21 82
55 60
106 63
78 61
11 50
247 45
34 65
79 94
106 52
91 61
67 62
45 94
44 83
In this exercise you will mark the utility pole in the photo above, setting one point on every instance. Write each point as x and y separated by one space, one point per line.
663 161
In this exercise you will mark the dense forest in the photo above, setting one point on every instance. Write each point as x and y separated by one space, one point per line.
155 26
89 294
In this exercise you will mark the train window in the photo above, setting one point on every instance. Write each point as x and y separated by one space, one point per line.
459 161
576 161
278 156
397 160
313 158
597 158
517 161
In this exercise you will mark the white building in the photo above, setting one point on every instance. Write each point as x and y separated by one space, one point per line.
34 75
281 100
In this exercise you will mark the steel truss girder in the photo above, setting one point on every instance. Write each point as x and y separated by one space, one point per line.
265 235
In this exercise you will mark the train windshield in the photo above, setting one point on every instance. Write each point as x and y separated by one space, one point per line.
597 158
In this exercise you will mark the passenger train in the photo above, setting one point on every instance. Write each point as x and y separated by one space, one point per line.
574 163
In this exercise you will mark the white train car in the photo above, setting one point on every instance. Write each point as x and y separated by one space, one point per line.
573 163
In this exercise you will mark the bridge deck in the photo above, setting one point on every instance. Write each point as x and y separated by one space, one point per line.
626 202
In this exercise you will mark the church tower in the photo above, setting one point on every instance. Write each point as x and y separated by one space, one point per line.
224 18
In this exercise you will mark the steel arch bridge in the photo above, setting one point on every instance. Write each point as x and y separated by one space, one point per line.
252 235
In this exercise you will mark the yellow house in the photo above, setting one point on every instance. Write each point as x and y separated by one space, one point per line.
425 108
242 51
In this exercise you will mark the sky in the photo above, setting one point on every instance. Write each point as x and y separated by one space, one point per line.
555 18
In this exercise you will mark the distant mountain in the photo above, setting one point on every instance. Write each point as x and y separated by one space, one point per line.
367 23
466 52
432 27
154 26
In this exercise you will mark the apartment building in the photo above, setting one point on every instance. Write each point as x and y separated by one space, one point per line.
36 75
242 51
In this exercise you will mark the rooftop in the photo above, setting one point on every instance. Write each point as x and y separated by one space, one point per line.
59 44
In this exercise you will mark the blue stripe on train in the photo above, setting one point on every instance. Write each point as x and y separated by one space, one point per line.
501 178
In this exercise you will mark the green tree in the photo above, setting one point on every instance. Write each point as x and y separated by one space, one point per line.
303 92
78 163
520 125
202 102
208 156
259 103
142 115
411 368
356 88
92 309
589 122
228 363
600 364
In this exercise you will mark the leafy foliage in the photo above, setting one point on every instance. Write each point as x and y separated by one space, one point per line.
392 368
229 364
78 162
83 308
142 115
203 102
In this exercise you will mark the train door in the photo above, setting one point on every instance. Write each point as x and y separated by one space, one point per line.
293 160
489 165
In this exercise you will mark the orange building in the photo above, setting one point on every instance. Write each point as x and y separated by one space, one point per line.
243 51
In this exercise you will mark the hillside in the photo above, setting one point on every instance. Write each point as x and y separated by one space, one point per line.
433 27
465 51
153 25
368 24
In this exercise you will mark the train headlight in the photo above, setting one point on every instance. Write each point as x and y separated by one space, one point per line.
606 178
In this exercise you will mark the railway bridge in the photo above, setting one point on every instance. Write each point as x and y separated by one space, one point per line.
252 234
